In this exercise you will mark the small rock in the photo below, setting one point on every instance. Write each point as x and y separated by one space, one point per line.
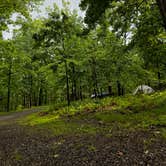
56 155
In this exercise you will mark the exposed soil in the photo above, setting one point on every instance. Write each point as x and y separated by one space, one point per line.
22 146
137 148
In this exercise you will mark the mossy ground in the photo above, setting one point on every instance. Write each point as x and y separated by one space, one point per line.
104 116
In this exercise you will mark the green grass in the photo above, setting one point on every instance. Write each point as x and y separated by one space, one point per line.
143 119
93 116
58 125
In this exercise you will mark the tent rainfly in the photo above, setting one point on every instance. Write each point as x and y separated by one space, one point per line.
143 89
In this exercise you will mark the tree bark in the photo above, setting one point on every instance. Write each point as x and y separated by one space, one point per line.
123 91
119 88
74 83
94 77
110 90
45 99
9 88
40 96
162 7
30 93
67 84
80 90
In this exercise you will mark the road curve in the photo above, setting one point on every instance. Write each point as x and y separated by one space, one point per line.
16 115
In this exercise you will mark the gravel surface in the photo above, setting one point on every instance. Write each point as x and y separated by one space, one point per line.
24 146
16 115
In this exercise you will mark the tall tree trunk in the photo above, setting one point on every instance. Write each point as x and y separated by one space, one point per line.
67 84
24 101
158 73
162 7
9 87
159 78
122 91
94 77
75 90
74 84
30 93
119 88
40 96
80 90
80 93
72 91
45 97
110 90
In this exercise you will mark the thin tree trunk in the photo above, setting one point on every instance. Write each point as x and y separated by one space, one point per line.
110 90
74 83
72 91
159 78
45 99
30 93
123 91
24 100
9 88
67 84
80 90
158 73
119 88
94 77
75 90
81 97
40 96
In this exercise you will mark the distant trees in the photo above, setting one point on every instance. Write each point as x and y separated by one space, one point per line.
11 72
61 36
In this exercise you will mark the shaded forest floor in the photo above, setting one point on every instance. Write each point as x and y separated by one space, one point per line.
113 133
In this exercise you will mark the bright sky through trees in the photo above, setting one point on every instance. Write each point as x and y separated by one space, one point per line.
74 5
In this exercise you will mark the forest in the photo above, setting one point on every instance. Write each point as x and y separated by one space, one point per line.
62 59
63 65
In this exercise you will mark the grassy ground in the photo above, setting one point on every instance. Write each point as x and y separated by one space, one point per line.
106 115
128 130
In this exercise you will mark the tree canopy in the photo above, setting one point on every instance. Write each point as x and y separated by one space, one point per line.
129 9
8 7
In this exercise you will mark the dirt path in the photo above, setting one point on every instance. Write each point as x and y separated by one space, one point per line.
17 115
21 145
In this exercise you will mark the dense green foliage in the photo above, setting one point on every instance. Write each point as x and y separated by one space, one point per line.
127 11
55 61
8 7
